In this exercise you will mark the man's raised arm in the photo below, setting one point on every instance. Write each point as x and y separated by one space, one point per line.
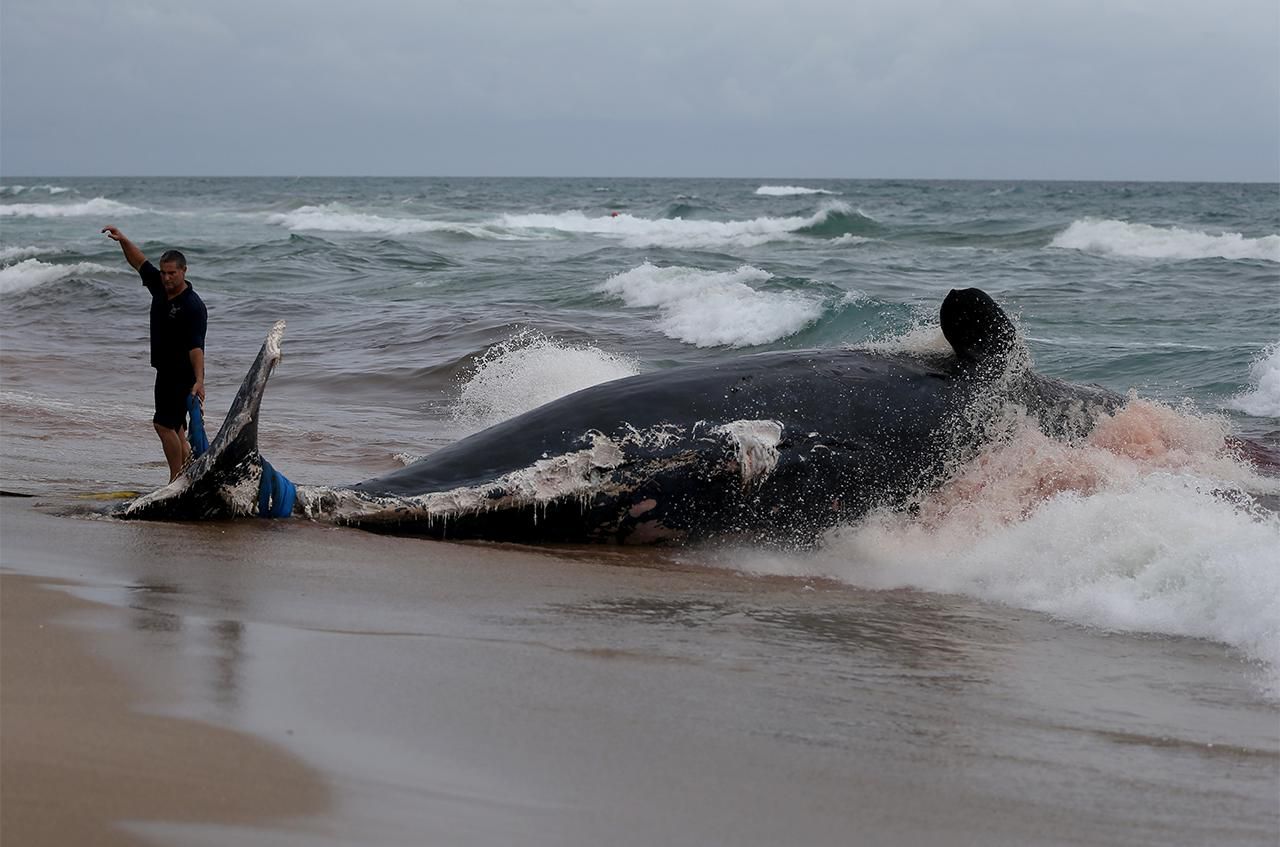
132 254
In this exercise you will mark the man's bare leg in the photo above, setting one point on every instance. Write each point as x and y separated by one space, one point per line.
175 446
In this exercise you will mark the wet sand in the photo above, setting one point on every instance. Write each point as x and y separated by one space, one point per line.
77 757
285 683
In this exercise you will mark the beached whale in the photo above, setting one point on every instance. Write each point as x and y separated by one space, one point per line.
773 446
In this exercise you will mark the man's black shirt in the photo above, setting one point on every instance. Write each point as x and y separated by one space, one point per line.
177 325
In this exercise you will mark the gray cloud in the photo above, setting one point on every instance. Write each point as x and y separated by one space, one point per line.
912 88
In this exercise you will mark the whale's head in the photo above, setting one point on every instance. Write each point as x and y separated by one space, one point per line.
975 327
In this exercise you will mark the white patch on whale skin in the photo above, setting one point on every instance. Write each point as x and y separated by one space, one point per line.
240 497
756 443
172 490
659 436
571 474
273 342
580 475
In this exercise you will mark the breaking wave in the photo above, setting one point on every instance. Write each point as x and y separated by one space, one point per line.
98 206
8 254
528 370
334 217
1146 526
33 272
15 190
790 190
1121 238
1263 401
832 221
715 308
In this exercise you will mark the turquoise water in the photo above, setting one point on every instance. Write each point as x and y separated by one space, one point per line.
423 309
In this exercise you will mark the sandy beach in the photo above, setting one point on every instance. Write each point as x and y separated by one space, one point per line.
260 683
79 755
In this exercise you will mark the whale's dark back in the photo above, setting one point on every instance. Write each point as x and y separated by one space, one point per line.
774 445
858 429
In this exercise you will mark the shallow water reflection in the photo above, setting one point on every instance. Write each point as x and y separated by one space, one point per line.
212 651
907 635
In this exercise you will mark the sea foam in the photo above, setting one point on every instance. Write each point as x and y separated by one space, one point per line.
1263 400
8 254
98 207
789 190
1144 527
15 190
334 217
1121 238
677 233
33 272
630 230
715 308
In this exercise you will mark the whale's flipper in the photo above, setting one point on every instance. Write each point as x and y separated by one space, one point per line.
224 481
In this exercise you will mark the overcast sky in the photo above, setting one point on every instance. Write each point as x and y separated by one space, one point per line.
1004 89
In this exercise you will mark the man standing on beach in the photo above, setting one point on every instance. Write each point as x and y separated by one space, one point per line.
178 322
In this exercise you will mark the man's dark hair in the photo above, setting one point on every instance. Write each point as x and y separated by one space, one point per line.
176 257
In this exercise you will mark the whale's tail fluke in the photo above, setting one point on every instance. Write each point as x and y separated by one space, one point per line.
224 482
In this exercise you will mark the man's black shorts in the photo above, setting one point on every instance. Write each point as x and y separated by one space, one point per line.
172 391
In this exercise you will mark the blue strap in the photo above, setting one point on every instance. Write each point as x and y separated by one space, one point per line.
275 493
195 432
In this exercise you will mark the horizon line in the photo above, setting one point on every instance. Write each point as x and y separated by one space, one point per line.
1179 180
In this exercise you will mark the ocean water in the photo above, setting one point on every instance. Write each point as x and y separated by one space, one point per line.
420 310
